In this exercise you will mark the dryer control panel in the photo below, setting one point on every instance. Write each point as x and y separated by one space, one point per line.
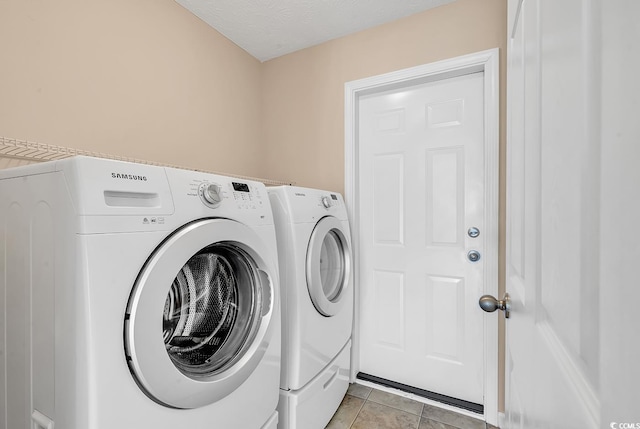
329 201
308 205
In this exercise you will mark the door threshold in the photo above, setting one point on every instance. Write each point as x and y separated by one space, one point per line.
448 400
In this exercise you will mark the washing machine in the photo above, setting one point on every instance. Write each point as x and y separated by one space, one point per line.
136 296
314 246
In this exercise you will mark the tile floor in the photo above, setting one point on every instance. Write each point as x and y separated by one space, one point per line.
367 408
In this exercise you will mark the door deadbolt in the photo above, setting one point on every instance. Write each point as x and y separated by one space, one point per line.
490 304
473 232
473 256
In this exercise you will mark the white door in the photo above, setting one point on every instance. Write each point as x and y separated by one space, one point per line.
421 189
619 214
553 201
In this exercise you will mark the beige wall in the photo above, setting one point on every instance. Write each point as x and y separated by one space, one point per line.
143 79
303 93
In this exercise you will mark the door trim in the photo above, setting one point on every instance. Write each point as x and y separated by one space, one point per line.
488 63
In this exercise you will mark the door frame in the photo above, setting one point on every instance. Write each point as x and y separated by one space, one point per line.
488 63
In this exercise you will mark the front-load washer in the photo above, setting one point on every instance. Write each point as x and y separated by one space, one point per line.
314 246
136 296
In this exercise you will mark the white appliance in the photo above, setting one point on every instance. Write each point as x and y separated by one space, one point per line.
136 296
314 246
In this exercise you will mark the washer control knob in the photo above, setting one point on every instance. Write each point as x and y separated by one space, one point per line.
326 202
211 193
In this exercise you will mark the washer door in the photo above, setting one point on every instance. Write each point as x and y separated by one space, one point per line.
198 320
328 266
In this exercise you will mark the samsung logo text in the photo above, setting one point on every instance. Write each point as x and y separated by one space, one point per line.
128 177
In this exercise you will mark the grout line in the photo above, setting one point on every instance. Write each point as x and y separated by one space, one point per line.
388 406
358 413
398 408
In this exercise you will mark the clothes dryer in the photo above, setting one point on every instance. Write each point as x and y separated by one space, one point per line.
314 246
137 296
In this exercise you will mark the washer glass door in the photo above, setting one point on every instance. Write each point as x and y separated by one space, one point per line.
328 266
199 317
211 311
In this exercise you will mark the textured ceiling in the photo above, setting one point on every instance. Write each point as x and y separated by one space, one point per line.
269 28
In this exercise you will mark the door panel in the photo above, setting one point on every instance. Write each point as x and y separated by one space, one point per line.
421 158
445 197
389 299
388 201
446 345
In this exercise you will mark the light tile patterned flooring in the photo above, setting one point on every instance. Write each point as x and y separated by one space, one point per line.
367 408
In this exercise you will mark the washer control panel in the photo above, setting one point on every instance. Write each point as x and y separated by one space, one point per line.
245 196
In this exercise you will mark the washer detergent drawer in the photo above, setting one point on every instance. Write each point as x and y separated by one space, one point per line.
313 406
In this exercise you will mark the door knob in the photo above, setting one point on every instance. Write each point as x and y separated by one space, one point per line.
489 304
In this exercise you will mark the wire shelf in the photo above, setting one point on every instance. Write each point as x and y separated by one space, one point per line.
21 150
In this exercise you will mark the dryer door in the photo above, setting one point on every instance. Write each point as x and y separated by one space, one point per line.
328 266
198 320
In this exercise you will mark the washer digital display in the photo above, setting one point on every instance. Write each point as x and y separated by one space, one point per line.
240 187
